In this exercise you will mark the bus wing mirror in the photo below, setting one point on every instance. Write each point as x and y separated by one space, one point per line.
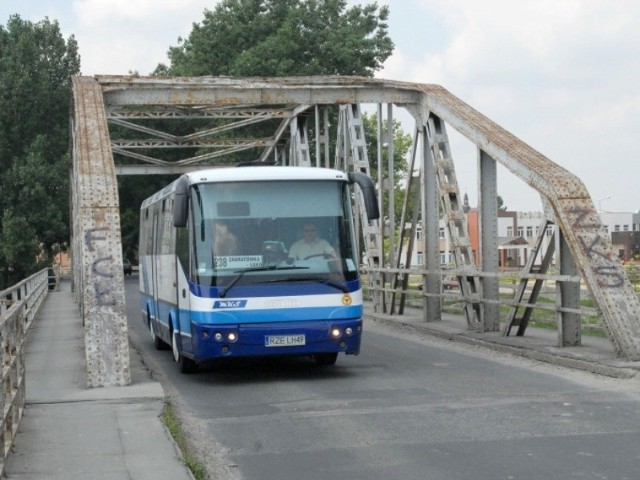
180 203
368 190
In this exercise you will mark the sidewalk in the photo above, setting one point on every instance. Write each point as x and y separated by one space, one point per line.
596 354
71 432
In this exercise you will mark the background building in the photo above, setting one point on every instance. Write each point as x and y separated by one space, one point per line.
519 231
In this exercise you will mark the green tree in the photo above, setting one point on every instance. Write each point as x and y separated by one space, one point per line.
36 64
284 38
18 247
132 191
39 187
273 38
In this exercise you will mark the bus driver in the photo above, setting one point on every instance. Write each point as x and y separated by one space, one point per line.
225 242
310 245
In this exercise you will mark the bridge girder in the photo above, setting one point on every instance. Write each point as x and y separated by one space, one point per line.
129 103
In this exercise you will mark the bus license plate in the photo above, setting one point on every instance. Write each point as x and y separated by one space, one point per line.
284 340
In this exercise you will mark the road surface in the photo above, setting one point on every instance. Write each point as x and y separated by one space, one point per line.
408 407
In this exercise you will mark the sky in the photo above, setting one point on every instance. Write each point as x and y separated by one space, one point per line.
562 75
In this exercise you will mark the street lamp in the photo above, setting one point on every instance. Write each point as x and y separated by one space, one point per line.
601 200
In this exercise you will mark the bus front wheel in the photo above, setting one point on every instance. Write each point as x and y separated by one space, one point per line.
185 365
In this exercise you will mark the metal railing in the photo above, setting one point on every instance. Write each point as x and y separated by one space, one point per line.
18 307
453 297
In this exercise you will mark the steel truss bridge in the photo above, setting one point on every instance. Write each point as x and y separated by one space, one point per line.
128 125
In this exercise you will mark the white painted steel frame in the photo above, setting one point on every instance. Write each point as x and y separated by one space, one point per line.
566 197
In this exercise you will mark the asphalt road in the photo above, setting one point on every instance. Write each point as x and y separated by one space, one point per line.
406 408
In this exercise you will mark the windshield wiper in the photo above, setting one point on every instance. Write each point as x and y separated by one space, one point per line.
266 268
324 281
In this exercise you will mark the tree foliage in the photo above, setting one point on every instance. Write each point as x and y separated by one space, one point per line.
501 206
274 38
133 190
36 63
18 247
40 189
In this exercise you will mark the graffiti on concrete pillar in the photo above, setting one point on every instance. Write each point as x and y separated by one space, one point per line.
96 263
90 237
594 244
102 267
103 295
595 247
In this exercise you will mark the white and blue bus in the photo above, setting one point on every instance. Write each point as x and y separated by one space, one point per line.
208 292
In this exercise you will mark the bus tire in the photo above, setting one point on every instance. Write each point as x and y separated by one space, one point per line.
185 365
326 359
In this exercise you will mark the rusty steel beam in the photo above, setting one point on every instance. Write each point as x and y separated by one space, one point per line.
142 98
199 112
97 249
221 91
572 206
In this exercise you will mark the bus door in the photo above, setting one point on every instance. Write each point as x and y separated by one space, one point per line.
181 274
155 255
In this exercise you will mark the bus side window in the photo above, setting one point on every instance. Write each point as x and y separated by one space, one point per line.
182 247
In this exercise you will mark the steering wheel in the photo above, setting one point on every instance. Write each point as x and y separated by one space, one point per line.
323 255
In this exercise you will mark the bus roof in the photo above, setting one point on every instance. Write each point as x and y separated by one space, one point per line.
267 173
251 174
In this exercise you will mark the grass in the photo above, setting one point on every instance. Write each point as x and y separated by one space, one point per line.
172 424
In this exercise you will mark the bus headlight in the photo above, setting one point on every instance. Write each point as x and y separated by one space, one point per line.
335 332
232 336
348 331
218 337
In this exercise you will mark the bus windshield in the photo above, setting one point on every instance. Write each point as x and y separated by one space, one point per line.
261 232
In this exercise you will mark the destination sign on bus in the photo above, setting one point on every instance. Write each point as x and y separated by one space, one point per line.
238 261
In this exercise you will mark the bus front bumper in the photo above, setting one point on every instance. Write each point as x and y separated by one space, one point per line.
286 338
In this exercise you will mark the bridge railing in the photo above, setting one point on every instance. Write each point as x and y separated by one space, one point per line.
412 295
19 305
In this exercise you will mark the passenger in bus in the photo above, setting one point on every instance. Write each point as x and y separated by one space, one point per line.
310 245
225 243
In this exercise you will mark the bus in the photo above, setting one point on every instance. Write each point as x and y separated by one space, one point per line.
221 275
